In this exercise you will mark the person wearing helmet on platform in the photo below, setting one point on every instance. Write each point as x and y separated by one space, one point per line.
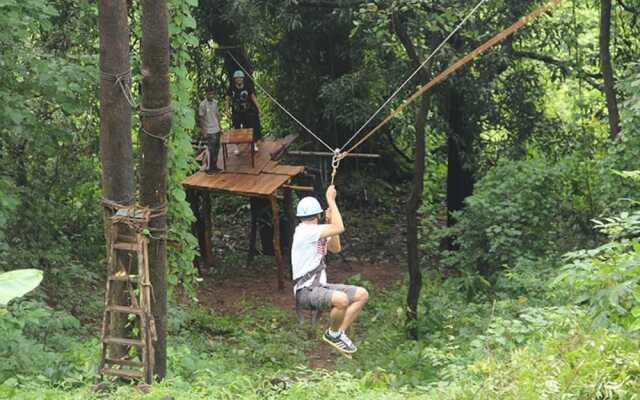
245 111
311 241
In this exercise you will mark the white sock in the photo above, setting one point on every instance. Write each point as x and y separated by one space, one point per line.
334 334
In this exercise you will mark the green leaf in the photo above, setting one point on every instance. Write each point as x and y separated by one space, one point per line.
17 283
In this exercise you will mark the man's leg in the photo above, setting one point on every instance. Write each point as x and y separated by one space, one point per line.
339 306
213 144
359 300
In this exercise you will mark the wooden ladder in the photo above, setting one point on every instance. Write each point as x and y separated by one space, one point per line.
128 243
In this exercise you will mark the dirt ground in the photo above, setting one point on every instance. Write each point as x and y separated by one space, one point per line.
224 294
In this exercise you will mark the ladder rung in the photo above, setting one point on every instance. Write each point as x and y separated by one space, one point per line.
125 373
126 238
131 278
125 309
126 246
128 363
123 341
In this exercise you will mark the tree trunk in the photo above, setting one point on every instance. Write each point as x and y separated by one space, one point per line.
607 68
156 120
413 206
459 177
415 200
116 153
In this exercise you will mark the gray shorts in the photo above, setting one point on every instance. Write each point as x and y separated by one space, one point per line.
319 297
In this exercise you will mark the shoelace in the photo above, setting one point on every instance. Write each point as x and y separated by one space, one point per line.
346 340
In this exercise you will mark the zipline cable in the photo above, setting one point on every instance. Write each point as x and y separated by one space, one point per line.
280 105
433 53
454 67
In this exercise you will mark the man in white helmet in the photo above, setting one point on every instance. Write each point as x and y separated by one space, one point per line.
311 241
245 111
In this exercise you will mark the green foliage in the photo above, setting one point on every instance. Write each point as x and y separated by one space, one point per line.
183 243
17 283
607 277
523 210
38 344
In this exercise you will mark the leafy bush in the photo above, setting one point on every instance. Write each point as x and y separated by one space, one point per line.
36 341
522 210
608 277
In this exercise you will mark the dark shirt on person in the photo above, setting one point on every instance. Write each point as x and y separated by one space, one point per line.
241 99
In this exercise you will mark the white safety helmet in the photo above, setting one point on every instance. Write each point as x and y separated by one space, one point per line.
308 207
238 74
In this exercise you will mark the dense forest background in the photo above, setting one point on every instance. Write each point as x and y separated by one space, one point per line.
519 172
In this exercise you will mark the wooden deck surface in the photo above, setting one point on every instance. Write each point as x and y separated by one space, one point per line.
241 163
247 184
262 180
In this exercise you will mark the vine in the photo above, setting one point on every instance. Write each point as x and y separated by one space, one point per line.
181 160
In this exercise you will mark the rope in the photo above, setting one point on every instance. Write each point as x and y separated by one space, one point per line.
280 105
335 163
154 113
121 79
456 66
433 53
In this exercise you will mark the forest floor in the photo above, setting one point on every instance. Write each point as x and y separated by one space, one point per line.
231 294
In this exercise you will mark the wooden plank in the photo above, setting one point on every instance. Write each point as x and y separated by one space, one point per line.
256 185
289 170
121 361
125 309
237 136
124 278
122 341
125 246
124 373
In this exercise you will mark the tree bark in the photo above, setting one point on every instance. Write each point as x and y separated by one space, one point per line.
415 200
459 177
116 152
607 68
156 120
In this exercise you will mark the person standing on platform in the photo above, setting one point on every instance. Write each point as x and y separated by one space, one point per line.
245 111
209 119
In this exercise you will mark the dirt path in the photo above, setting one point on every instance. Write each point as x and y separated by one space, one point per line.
224 295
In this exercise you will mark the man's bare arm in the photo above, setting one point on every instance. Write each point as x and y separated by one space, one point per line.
336 227
334 245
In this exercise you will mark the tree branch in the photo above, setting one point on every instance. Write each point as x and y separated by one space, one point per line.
566 67
398 149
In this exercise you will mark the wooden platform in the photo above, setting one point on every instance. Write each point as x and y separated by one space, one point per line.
262 180
263 184
268 148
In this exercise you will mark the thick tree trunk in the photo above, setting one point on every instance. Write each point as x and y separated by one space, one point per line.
459 177
607 68
116 153
156 120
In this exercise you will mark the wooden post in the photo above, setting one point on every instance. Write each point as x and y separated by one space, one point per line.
205 216
291 222
199 228
275 208
253 234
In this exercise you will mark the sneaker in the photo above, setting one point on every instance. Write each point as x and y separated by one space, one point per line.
236 151
255 147
342 343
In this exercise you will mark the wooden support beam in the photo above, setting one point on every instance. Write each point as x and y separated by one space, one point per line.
291 222
276 241
298 188
327 154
